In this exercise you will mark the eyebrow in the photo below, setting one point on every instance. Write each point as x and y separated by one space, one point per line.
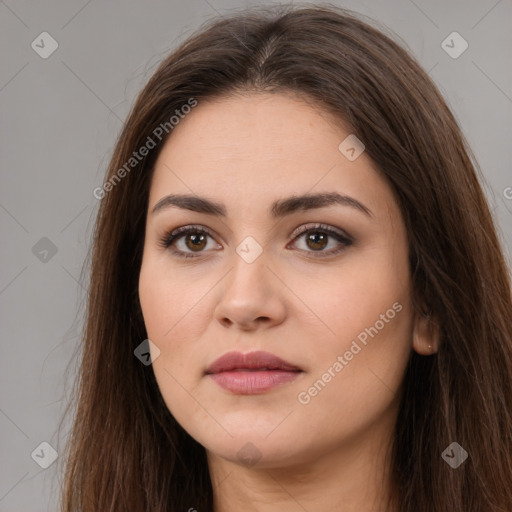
279 208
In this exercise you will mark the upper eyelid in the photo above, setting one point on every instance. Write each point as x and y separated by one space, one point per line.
320 226
180 231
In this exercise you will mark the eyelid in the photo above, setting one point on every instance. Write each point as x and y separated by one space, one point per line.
170 236
320 227
341 236
344 240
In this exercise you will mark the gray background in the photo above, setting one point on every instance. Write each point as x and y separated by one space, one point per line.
59 120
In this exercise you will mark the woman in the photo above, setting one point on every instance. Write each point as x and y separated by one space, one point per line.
298 300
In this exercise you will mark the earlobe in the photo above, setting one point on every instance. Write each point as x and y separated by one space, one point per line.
425 334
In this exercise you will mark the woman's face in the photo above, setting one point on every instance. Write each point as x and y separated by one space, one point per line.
321 284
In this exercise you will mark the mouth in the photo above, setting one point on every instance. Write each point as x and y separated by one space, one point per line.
251 373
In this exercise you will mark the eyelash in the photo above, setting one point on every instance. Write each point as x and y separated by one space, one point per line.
172 236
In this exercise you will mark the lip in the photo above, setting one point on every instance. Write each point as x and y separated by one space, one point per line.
252 372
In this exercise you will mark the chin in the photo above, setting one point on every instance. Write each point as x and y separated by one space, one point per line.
254 453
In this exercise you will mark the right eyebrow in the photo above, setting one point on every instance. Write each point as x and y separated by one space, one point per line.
279 208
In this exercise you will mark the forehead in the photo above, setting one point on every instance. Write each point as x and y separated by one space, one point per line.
259 147
266 126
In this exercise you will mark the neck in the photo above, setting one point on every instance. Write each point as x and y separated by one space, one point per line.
355 477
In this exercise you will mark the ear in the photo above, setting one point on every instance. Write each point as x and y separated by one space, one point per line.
425 334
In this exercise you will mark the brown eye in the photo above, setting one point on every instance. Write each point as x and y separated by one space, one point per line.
188 240
195 241
320 237
192 241
317 240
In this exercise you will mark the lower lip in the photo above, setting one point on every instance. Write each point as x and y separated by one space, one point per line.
252 382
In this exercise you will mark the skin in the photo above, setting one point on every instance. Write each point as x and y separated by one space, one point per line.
247 151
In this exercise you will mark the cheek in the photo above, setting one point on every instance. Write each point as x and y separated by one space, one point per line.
357 376
349 299
166 301
175 312
154 297
367 315
170 317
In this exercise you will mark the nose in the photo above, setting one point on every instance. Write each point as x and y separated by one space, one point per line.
251 297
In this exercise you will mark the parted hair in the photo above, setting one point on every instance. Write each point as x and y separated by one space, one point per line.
126 452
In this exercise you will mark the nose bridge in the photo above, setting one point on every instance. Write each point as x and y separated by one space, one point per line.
249 275
250 291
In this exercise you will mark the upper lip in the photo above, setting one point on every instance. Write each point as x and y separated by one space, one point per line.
249 361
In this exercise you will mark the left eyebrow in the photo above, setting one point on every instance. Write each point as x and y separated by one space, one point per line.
279 208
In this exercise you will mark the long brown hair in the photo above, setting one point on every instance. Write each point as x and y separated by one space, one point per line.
126 451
